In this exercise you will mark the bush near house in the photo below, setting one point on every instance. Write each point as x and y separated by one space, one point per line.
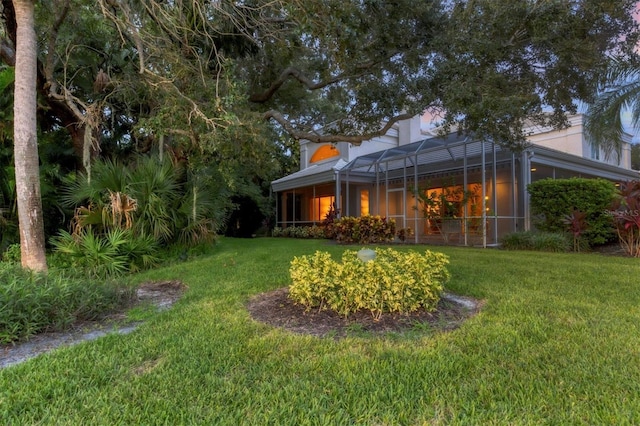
364 230
314 231
393 282
625 212
552 200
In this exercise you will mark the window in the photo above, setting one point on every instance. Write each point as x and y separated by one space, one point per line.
324 152
364 202
321 206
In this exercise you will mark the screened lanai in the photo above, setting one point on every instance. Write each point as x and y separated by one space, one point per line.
477 181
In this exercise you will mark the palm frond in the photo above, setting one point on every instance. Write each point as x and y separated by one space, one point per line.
620 92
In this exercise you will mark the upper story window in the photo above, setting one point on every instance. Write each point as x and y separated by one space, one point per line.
324 152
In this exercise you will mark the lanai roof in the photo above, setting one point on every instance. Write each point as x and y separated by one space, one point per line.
449 151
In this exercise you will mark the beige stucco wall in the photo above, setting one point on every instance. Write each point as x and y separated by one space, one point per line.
572 140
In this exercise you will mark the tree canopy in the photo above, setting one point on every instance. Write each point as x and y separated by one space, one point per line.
484 66
134 69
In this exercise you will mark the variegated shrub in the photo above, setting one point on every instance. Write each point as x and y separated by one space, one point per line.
395 281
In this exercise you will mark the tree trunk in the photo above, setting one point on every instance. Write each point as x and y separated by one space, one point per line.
25 140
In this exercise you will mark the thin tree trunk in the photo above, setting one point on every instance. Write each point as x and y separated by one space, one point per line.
26 141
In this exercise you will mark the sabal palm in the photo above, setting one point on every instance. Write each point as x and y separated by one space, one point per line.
621 93
107 175
156 187
204 207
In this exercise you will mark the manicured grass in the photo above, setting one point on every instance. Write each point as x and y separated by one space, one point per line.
556 343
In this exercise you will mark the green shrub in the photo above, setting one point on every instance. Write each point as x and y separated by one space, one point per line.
393 282
115 253
539 241
150 197
364 230
314 231
553 199
12 254
31 303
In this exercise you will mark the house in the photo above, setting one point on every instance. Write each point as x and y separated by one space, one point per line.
481 187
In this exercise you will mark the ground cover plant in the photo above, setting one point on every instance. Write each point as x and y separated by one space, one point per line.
31 303
555 343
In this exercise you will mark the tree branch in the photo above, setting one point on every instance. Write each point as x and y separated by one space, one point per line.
317 138
51 45
130 27
292 72
284 76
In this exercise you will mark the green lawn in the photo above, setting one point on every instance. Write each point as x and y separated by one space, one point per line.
558 342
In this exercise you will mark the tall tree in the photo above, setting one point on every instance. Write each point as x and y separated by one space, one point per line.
26 141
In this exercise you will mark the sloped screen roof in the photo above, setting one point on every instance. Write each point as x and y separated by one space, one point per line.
427 151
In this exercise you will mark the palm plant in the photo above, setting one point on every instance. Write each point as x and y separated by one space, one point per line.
621 92
156 186
204 207
106 175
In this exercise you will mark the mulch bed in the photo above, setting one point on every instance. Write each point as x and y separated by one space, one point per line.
276 309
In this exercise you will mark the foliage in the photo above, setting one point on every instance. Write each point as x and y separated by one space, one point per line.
553 199
313 231
487 40
619 92
364 230
329 221
11 254
635 156
405 233
91 85
155 185
393 282
625 212
577 225
534 240
446 203
8 213
152 198
32 303
191 66
486 67
450 201
113 253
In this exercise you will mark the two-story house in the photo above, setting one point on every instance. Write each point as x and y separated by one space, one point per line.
482 185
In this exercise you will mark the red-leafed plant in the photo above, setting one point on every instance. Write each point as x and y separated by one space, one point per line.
577 224
328 223
364 229
626 217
